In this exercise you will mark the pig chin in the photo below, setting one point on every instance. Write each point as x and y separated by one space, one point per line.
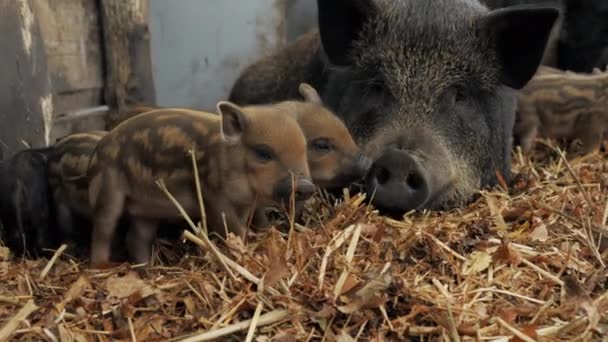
416 174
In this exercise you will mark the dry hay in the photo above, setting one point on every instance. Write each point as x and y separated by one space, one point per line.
527 264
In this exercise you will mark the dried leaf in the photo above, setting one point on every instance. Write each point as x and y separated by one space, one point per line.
496 213
75 291
236 246
501 181
145 328
350 283
481 309
123 287
134 298
190 306
66 335
369 229
508 315
107 325
529 330
326 312
477 262
321 320
277 268
343 336
468 329
514 213
283 336
593 313
596 279
303 250
586 176
506 253
539 233
371 295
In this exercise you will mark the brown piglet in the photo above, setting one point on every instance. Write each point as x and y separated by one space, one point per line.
566 105
246 156
334 159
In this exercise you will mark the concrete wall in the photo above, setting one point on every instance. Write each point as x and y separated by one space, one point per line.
301 16
199 47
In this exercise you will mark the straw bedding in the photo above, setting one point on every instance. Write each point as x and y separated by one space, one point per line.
520 263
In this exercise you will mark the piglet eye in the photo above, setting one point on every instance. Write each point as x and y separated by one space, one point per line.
263 153
322 145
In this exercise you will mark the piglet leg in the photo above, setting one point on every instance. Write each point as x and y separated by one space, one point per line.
65 223
140 239
590 129
230 220
108 203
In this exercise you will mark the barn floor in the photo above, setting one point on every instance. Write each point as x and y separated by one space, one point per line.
527 264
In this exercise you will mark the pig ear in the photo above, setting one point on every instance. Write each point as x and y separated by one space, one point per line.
309 93
340 22
233 121
520 34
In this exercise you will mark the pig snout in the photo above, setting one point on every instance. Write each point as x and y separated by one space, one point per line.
304 189
398 182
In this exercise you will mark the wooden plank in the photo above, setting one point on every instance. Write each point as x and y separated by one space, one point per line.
26 104
126 42
71 33
87 119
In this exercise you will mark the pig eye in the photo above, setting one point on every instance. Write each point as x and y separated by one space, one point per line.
322 145
263 153
461 94
375 89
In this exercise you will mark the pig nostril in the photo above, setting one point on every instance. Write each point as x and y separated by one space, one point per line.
414 180
383 175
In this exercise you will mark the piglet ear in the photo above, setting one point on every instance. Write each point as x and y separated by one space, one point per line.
309 93
233 121
519 35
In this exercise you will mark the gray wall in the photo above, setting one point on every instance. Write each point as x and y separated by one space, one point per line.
199 47
301 17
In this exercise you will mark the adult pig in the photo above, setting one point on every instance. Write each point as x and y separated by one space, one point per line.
428 88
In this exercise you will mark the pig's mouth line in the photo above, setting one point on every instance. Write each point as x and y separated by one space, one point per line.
374 187
435 200
438 197
345 178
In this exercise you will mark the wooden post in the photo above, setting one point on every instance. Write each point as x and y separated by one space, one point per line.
126 43
26 104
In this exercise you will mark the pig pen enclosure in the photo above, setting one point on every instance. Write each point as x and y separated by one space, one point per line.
524 262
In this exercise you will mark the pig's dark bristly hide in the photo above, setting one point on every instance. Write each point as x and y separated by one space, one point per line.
426 87
25 211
